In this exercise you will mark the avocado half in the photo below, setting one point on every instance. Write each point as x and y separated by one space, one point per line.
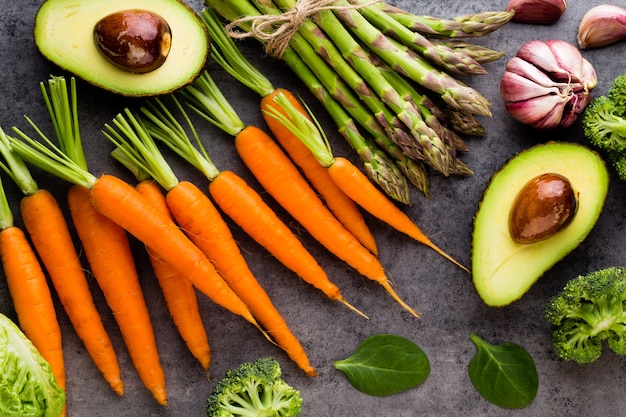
503 270
64 34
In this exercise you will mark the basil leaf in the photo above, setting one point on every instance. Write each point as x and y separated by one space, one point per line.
385 364
503 374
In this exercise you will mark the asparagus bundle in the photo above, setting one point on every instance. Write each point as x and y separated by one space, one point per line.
382 70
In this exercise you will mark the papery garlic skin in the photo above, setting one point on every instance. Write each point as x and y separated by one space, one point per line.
542 12
601 25
547 85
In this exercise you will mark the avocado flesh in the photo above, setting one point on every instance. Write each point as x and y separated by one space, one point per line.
502 270
64 35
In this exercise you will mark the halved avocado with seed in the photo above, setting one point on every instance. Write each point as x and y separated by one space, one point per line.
506 262
64 34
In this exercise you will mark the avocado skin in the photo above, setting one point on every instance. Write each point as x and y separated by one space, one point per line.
63 34
502 270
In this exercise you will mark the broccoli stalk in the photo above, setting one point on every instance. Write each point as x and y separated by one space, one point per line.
254 389
604 124
589 310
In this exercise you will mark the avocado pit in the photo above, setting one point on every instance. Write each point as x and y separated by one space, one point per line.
544 206
134 40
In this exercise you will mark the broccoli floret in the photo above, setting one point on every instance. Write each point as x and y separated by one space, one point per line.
604 124
254 389
589 310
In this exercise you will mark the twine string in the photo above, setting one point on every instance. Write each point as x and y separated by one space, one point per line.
276 30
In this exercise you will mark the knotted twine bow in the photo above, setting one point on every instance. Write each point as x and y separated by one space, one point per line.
276 30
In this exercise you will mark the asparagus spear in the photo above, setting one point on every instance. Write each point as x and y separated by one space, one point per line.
480 53
455 61
468 25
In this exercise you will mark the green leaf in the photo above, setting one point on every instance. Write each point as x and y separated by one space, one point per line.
503 374
385 364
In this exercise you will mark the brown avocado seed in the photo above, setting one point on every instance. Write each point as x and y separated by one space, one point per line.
543 207
134 40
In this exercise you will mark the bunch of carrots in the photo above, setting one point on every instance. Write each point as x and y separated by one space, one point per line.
188 252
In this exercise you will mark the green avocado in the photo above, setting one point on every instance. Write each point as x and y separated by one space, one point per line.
64 34
503 270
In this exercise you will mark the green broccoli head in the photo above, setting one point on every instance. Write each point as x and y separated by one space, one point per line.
617 93
604 125
254 389
589 310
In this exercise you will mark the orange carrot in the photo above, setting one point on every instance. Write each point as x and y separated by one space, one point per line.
109 255
32 298
178 291
256 218
354 183
203 223
281 179
51 238
342 206
347 176
50 235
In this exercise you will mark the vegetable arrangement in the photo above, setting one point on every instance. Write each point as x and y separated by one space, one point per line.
364 55
390 81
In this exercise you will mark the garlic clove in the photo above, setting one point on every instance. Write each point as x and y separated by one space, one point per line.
558 58
601 25
543 12
543 112
527 70
590 78
567 58
515 87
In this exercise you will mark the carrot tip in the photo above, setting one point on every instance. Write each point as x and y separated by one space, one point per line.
434 247
353 308
399 300
118 387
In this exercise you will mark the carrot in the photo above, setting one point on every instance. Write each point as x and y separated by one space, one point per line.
50 235
226 53
32 298
349 178
354 183
342 206
178 291
203 223
112 264
242 203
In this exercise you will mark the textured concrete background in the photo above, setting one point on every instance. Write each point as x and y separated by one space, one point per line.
441 292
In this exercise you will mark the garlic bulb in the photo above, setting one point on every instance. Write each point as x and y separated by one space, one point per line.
547 84
544 12
601 26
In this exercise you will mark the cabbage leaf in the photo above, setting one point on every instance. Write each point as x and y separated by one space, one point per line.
27 385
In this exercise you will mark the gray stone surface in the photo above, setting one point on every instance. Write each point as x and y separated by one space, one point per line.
441 292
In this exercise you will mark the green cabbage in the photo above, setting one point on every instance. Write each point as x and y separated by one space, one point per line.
27 385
